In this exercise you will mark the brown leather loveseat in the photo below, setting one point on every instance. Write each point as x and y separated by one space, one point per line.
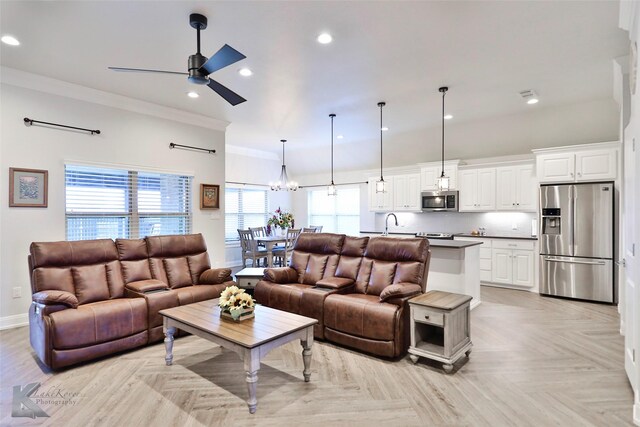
92 298
356 287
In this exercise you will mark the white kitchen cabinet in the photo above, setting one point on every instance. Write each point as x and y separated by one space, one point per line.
513 262
380 202
578 165
515 188
477 190
406 193
595 165
429 177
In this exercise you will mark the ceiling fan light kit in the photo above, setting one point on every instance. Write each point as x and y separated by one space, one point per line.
443 181
200 67
381 184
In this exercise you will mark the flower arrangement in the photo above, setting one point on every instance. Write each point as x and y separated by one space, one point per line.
280 219
236 303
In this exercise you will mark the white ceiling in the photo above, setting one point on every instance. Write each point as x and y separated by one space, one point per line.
399 52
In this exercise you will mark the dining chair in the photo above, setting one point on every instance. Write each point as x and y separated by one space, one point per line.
317 227
284 253
258 232
308 230
250 249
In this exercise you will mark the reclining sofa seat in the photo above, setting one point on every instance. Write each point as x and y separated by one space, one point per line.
374 316
79 310
362 302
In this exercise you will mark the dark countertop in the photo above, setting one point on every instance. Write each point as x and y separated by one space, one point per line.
489 236
434 243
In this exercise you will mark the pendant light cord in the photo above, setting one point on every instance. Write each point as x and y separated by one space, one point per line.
444 92
381 104
332 116
283 141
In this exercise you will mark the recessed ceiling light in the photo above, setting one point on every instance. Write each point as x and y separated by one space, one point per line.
325 38
192 94
532 101
384 129
448 117
340 136
245 72
10 40
530 96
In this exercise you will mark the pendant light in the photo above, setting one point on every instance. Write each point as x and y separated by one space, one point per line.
443 181
331 189
380 185
284 183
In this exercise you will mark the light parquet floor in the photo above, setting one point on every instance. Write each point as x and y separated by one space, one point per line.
536 362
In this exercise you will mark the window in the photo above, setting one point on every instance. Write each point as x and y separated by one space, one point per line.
110 203
336 214
244 208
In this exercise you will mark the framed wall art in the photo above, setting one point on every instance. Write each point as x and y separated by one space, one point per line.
209 196
28 188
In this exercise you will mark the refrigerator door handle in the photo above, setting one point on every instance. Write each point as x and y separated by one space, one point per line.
574 219
574 261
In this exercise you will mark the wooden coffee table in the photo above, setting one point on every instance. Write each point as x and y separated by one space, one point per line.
251 339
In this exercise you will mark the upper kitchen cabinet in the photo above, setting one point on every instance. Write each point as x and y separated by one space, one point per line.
477 190
589 162
516 188
406 193
430 172
381 202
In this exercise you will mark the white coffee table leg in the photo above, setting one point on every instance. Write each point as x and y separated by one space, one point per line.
168 344
306 354
251 367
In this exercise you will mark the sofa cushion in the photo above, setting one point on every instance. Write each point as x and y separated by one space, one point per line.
115 279
177 270
334 283
197 293
361 315
382 274
315 268
319 243
98 322
55 297
66 254
214 276
91 283
53 278
131 249
281 297
132 271
197 265
175 245
400 290
397 250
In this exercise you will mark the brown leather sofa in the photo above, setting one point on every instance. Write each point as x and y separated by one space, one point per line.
92 298
357 288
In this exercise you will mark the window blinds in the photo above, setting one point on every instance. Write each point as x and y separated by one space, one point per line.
336 214
244 208
112 203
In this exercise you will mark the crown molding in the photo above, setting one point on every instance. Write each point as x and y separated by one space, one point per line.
251 152
23 79
578 147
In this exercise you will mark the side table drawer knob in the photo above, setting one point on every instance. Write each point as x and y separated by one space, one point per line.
426 317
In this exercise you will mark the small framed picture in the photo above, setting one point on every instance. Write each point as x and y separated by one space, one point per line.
28 188
209 196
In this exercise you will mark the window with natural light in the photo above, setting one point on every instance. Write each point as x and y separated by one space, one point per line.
244 208
336 214
117 203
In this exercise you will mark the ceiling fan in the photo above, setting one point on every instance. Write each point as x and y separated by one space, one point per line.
200 66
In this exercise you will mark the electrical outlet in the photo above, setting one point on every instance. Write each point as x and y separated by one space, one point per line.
514 226
16 292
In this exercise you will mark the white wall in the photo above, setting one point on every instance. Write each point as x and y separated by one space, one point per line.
127 138
249 166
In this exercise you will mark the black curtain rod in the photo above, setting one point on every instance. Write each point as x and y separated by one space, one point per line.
31 121
324 185
189 147
246 183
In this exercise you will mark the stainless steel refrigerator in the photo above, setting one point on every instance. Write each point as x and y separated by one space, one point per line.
577 241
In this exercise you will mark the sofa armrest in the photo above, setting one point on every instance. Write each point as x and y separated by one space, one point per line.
281 275
214 276
55 297
335 283
143 286
399 291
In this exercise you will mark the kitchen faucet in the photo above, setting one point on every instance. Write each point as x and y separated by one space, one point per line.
386 223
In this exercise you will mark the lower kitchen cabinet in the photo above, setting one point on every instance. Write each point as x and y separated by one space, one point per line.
512 263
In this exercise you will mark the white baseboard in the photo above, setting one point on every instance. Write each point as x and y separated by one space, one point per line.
636 414
474 304
15 321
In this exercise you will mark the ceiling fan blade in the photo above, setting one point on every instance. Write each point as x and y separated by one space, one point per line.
230 96
142 70
222 58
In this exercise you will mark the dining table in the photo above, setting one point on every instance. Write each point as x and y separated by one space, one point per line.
269 242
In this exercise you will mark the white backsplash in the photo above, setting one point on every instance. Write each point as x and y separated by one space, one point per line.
495 223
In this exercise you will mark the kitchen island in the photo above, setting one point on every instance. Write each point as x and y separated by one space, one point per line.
454 265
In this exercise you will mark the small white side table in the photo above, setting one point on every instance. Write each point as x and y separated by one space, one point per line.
248 277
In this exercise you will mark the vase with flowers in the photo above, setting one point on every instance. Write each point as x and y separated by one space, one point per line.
236 304
279 221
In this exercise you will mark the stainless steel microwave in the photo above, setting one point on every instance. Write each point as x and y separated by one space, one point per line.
439 201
